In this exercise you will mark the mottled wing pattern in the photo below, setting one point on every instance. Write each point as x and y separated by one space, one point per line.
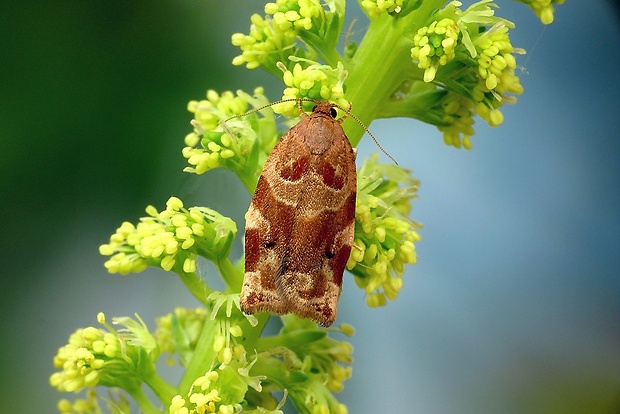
300 224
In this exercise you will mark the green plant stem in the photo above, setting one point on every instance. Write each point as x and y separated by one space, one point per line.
373 73
163 390
196 286
252 334
203 357
249 181
232 276
380 64
146 406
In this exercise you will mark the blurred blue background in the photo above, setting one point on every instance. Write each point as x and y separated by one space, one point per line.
514 305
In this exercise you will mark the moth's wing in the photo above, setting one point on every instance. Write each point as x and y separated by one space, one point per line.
299 227
269 222
309 277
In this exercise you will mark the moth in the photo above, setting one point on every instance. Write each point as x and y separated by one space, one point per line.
300 223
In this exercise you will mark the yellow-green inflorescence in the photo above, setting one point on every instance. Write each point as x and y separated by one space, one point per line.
112 358
88 405
220 390
223 139
435 46
171 239
374 8
301 360
116 402
465 56
469 54
384 235
178 333
263 42
543 8
223 386
274 38
315 81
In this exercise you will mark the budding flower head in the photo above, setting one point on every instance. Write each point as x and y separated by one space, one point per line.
117 402
265 44
543 8
237 144
384 235
94 357
170 239
308 79
304 28
296 15
435 46
88 405
375 8
469 54
457 120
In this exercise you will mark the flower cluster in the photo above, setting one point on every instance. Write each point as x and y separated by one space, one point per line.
496 68
374 8
81 406
228 327
178 333
318 82
457 120
264 45
117 403
221 390
299 15
468 53
238 146
227 380
272 39
113 358
543 8
435 46
384 235
300 358
171 239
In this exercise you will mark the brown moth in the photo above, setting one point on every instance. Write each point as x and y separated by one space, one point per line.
300 224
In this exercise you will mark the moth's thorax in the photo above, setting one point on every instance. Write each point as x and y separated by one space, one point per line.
322 136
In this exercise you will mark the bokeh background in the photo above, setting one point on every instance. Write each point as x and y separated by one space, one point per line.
514 305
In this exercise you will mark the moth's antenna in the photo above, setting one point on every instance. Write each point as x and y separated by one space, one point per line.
299 101
347 38
348 113
260 108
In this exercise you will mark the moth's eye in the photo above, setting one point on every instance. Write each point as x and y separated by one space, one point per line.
333 112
